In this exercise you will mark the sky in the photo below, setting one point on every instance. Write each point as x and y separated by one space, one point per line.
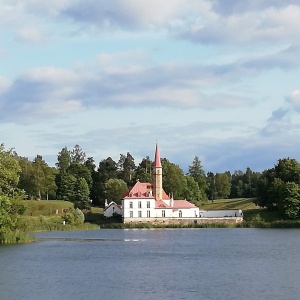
216 79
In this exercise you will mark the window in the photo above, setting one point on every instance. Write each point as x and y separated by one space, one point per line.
163 213
148 213
140 213
180 214
130 204
140 204
148 204
131 214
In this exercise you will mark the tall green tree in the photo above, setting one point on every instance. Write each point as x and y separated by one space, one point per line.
107 169
289 203
77 155
197 172
43 178
126 167
143 171
80 196
63 160
115 189
211 186
10 212
66 183
9 171
192 192
278 188
222 183
174 181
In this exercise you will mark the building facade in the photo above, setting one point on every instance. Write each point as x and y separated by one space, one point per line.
147 202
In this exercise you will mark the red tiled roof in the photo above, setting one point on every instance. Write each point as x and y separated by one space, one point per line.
140 190
161 204
183 204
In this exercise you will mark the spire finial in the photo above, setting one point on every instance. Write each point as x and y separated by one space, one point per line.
157 162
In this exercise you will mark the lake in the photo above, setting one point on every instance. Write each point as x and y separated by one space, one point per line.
225 263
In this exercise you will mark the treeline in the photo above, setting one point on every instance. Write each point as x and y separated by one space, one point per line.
78 179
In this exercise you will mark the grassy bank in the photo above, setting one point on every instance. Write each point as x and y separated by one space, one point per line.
47 216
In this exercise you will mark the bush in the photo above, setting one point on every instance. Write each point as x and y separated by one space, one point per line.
73 216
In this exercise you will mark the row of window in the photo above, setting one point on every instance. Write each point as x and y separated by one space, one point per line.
139 204
163 214
139 214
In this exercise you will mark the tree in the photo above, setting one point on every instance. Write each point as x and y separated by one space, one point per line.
143 171
278 188
197 172
223 185
9 171
192 192
80 171
289 203
77 155
80 196
10 211
115 189
107 170
63 160
126 167
211 186
174 181
65 183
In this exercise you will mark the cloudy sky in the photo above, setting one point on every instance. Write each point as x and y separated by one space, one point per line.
219 79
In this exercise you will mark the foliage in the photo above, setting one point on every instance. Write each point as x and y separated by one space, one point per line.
73 216
174 181
80 196
77 155
9 170
126 167
63 160
278 188
192 192
37 178
143 170
222 185
115 189
10 212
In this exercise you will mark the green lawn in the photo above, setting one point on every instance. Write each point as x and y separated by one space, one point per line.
239 203
46 207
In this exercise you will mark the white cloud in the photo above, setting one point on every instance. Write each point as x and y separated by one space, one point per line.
294 100
4 84
32 35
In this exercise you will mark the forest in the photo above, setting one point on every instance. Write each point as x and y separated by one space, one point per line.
78 179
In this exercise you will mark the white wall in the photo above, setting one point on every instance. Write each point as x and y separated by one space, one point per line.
111 209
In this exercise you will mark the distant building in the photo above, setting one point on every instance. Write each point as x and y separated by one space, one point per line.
112 209
147 202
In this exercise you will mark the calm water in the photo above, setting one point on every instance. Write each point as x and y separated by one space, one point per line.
154 264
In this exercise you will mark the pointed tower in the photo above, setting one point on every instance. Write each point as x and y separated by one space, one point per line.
157 176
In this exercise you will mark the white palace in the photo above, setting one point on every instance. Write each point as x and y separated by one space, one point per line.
147 202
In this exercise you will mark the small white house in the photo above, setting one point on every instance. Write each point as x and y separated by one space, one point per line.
111 209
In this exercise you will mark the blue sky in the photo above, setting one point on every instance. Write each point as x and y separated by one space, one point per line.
218 79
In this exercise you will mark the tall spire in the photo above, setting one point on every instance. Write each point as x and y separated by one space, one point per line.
157 162
157 176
